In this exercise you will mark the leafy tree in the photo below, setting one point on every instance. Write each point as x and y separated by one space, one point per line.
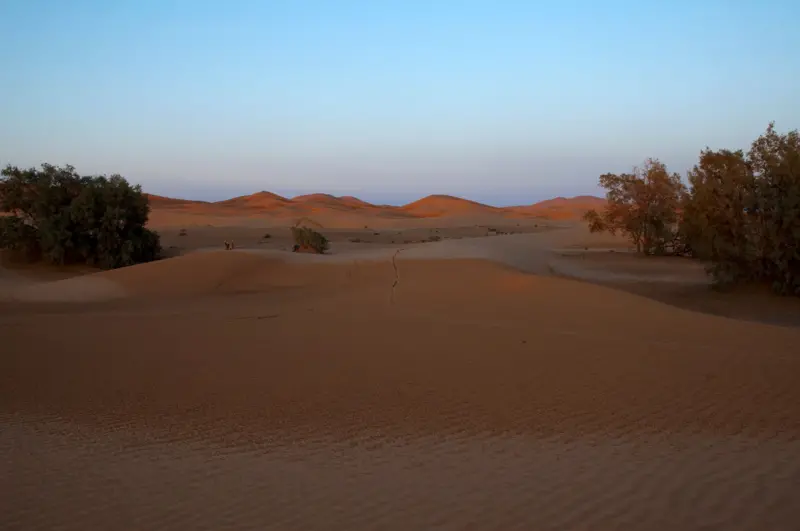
717 222
62 217
775 162
743 212
643 205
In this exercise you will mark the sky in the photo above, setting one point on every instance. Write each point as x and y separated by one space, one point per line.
506 102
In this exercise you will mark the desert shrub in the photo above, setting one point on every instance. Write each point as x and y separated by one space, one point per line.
267 236
183 232
309 239
63 217
743 212
643 205
434 238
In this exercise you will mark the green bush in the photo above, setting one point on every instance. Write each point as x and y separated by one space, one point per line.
308 239
62 217
17 235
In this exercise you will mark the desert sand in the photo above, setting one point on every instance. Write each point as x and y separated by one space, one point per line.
447 365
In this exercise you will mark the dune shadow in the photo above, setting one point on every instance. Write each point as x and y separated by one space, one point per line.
682 284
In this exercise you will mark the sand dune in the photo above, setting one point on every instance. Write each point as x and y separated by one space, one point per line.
395 383
442 205
262 200
346 202
391 389
157 201
561 208
348 212
354 201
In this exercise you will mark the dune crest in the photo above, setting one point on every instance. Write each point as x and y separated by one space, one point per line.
349 211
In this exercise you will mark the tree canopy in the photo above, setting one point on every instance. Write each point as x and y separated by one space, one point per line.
61 217
642 205
741 211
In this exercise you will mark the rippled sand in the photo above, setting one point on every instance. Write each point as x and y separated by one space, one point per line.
238 392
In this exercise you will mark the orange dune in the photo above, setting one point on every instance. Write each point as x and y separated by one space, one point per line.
158 201
261 199
330 201
354 201
560 208
443 205
333 208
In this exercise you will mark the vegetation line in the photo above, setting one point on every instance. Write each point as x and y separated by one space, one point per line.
740 212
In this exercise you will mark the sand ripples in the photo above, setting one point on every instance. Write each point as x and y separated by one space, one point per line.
59 475
519 403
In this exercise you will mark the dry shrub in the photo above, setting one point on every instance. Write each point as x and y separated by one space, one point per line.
306 239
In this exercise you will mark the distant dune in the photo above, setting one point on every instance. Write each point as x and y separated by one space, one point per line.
354 201
348 211
158 201
561 208
443 205
258 200
327 200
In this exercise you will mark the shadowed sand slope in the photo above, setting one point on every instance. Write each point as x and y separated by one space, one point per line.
236 390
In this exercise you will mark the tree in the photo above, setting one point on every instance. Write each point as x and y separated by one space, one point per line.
62 217
717 215
775 162
743 212
643 205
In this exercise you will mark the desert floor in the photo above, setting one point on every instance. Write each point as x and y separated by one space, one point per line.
540 379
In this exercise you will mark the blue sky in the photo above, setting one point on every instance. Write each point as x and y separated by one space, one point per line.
500 101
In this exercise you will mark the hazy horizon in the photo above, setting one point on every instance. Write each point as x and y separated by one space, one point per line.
499 102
